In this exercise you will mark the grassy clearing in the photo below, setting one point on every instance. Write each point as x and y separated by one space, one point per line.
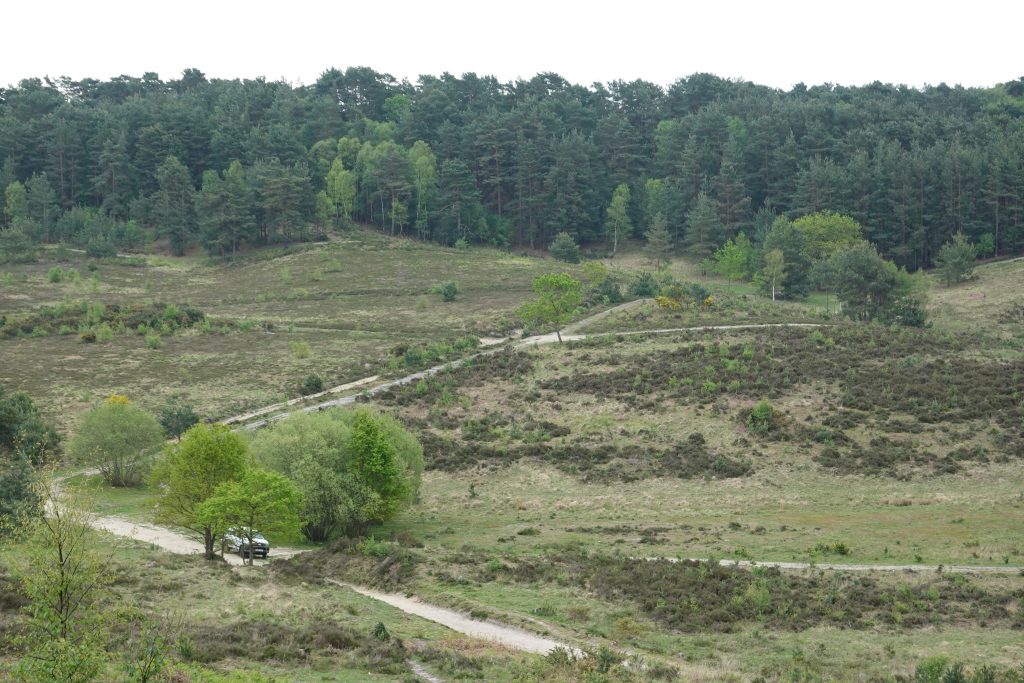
274 317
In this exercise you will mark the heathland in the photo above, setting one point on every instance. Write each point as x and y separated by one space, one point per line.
583 490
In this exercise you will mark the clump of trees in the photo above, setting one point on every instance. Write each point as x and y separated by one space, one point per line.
217 163
189 473
324 474
826 251
353 468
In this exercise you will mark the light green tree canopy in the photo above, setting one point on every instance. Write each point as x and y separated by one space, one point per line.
734 259
330 461
557 298
118 438
341 189
825 232
190 471
260 500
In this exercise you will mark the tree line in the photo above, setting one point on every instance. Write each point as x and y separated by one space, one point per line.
229 162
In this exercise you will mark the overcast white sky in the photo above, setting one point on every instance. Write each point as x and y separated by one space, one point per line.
773 42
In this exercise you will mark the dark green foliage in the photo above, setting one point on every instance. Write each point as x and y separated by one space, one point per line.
704 229
23 431
791 242
174 205
176 418
607 291
19 495
564 248
514 162
27 443
872 288
17 245
449 291
644 285
311 384
100 247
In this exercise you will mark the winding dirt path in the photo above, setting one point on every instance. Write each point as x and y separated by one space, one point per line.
536 340
509 636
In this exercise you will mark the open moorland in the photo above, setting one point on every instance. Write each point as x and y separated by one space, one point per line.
265 321
578 491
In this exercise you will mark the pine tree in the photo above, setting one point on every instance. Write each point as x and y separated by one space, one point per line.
174 205
704 230
659 241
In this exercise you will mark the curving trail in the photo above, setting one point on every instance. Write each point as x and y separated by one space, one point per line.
515 638
536 340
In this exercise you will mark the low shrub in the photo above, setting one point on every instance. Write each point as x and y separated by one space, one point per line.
644 285
311 384
449 291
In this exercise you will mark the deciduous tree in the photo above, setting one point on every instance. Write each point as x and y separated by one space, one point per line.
617 222
190 471
733 260
557 298
956 260
260 500
118 438
64 578
774 271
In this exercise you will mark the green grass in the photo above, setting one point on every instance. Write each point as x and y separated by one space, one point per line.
352 301
203 600
791 505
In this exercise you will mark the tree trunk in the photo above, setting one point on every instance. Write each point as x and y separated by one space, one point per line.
558 333
210 553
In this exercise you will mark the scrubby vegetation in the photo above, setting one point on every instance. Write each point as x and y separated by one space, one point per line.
83 316
694 596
